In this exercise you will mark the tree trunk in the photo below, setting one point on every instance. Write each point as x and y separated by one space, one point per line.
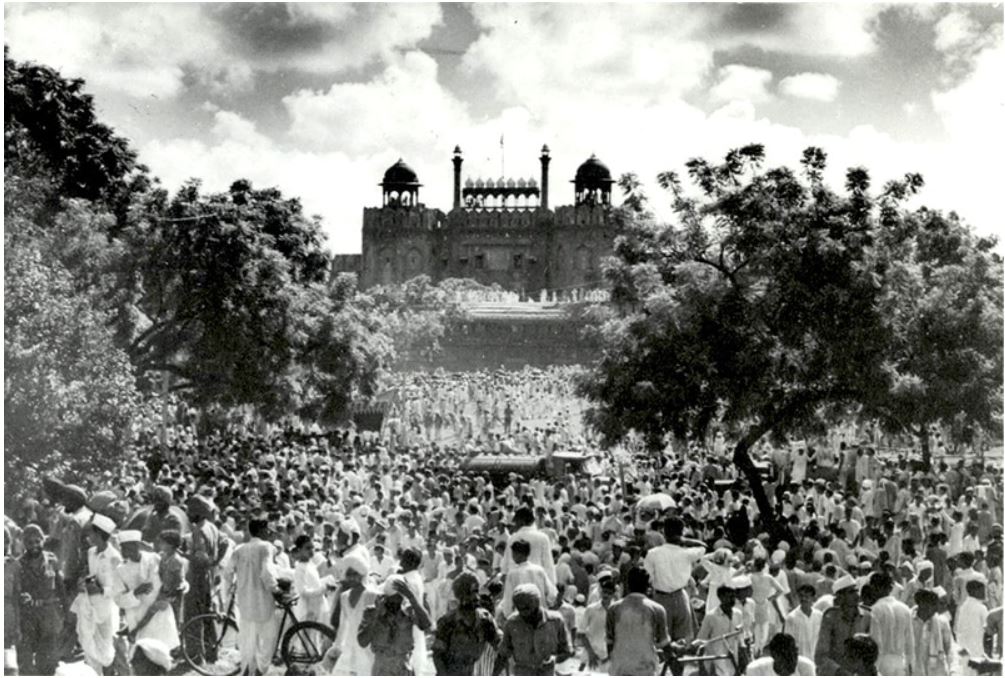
741 457
926 450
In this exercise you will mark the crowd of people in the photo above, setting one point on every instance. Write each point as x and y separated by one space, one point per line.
420 565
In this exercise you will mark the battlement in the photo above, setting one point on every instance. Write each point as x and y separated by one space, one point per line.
378 220
582 215
478 219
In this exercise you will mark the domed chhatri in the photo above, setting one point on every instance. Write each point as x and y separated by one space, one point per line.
593 183
401 185
593 170
400 174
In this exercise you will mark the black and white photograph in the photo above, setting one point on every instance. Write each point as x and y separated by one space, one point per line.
487 339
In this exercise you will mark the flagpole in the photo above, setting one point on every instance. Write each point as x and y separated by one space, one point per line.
502 149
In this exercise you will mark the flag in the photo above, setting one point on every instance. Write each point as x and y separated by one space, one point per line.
500 141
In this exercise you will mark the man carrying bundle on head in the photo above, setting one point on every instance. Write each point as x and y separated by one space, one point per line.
387 628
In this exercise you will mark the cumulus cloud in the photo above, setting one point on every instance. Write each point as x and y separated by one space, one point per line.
159 49
539 53
404 107
815 86
740 82
819 29
955 30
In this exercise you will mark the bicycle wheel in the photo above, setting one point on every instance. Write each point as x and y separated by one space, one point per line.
305 643
209 645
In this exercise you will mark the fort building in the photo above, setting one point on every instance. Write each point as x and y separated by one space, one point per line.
498 231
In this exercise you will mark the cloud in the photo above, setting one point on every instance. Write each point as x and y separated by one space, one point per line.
161 49
328 183
537 53
815 86
321 38
404 108
818 29
955 30
740 82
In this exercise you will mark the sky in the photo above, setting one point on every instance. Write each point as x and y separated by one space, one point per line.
319 99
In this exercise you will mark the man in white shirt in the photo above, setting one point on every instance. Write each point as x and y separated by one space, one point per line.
522 571
892 629
382 565
971 620
803 623
540 544
669 567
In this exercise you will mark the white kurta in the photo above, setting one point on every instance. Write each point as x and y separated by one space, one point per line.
97 615
354 660
421 666
311 606
162 626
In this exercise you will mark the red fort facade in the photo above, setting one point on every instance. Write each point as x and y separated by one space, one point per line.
499 231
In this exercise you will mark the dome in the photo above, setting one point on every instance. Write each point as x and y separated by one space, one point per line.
593 171
400 174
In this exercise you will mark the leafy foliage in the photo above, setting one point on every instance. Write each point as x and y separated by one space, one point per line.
51 129
69 391
230 283
772 299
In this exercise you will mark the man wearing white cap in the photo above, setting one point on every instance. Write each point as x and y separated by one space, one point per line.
839 623
137 589
348 543
97 615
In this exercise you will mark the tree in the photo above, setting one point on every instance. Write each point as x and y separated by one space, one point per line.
51 129
943 301
69 391
417 314
229 287
766 304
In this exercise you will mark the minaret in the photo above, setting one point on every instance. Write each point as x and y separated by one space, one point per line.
545 159
457 176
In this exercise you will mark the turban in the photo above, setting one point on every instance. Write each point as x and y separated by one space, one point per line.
32 529
200 507
925 565
161 493
357 564
528 592
101 500
73 495
350 526
778 557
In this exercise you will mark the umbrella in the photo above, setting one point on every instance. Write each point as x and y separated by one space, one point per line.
656 502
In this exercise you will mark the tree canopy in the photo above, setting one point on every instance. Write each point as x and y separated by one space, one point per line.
772 300
113 282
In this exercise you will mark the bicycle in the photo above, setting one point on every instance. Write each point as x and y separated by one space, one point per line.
301 643
677 661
